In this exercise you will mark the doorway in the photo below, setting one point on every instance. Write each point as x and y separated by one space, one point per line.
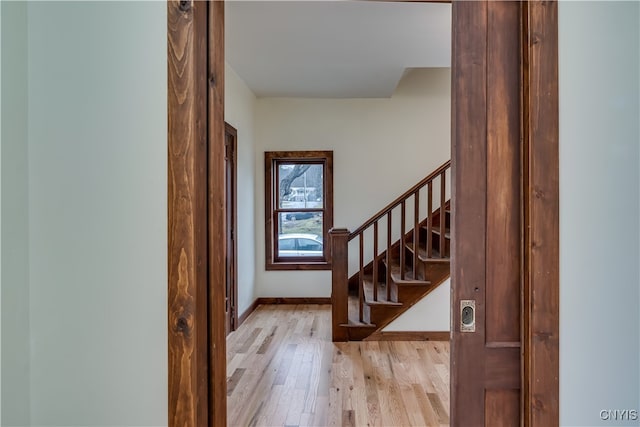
231 214
196 317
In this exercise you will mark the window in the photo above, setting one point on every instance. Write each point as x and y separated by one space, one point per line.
299 209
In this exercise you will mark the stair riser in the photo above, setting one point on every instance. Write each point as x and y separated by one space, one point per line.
435 241
420 271
434 271
447 218
407 294
447 245
427 270
359 333
378 315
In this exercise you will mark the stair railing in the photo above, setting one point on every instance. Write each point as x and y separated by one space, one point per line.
340 239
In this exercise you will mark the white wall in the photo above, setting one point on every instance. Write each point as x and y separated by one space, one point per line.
97 213
14 225
408 135
599 210
432 313
239 112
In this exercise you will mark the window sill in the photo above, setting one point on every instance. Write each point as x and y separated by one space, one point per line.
297 266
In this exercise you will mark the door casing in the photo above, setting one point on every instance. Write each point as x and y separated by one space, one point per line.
196 203
231 209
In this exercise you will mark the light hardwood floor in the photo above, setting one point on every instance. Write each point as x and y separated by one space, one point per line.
283 370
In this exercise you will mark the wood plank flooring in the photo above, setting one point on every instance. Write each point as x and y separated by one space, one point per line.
283 370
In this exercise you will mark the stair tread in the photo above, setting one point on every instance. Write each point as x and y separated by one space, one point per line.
422 254
355 324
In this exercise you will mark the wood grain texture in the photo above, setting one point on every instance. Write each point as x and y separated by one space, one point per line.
339 239
187 197
504 169
468 203
490 166
294 300
502 408
289 373
541 202
519 237
409 336
216 210
231 209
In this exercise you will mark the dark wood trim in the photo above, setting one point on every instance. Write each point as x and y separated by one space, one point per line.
409 336
468 201
541 282
293 300
302 265
339 241
248 312
271 212
188 301
216 215
231 165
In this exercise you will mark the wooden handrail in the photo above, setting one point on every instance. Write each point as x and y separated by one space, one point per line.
433 175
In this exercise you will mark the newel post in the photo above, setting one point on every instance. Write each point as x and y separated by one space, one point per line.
339 238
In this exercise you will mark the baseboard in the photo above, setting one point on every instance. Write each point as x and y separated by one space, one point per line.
247 312
295 300
409 336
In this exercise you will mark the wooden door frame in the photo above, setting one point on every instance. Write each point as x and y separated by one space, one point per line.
196 252
541 215
233 132
196 209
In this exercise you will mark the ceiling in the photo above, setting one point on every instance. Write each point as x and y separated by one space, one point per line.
333 49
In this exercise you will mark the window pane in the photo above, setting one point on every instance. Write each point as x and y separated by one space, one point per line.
301 185
303 228
287 244
309 245
300 223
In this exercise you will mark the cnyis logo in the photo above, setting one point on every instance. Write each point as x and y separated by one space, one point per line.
619 415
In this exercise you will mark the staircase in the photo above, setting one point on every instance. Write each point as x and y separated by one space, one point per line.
399 256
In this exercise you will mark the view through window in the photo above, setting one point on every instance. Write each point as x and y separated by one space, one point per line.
299 208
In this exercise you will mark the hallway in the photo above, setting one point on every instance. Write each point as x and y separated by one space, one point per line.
283 370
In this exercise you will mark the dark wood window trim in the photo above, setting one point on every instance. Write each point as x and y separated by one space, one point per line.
271 160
